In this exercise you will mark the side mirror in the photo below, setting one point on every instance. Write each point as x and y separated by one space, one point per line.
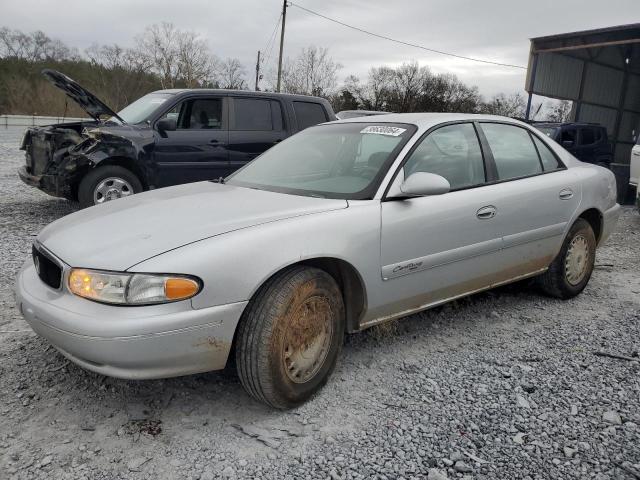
568 143
166 125
420 184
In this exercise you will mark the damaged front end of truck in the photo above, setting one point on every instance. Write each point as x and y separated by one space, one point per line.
58 156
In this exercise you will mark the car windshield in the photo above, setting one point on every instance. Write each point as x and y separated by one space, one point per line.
548 131
139 111
342 160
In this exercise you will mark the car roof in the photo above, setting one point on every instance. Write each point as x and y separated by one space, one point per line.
427 120
374 112
251 93
566 124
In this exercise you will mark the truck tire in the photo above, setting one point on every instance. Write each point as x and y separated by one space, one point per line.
290 336
103 184
571 270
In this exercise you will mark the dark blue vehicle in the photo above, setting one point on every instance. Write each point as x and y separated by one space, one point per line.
165 138
588 142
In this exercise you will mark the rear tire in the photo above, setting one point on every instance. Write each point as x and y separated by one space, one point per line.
571 270
107 183
290 336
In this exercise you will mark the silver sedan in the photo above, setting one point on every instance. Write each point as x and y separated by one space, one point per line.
340 227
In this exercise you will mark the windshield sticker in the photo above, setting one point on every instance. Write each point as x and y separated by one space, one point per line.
384 130
157 100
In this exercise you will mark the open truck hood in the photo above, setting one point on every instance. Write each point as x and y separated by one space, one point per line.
83 97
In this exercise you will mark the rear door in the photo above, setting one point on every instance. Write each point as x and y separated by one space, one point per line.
535 197
198 149
569 140
588 139
256 124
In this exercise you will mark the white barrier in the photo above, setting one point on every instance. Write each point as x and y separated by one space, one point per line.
7 121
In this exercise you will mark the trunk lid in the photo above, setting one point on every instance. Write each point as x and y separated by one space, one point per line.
122 233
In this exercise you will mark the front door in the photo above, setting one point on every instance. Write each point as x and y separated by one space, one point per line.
437 247
256 125
198 149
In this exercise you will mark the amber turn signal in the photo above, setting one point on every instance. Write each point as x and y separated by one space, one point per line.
179 288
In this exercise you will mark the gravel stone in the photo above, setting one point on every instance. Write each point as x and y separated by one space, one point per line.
462 467
402 402
612 417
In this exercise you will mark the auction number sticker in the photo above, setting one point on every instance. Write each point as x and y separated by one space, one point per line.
384 130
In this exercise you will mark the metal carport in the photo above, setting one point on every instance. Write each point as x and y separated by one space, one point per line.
599 70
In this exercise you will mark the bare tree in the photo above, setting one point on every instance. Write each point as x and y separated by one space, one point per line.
179 57
560 111
231 74
407 83
33 47
513 105
376 92
195 63
312 72
159 44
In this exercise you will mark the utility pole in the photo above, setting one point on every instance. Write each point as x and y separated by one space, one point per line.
284 17
258 71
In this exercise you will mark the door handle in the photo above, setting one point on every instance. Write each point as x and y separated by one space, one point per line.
636 153
565 194
487 212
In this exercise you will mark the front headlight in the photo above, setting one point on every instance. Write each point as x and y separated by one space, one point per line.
132 288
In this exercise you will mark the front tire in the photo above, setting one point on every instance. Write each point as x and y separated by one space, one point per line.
571 270
290 336
103 184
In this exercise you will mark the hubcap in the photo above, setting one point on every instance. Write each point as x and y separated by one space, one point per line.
577 260
110 189
307 339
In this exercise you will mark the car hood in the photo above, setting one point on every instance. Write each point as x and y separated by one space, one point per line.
83 97
124 232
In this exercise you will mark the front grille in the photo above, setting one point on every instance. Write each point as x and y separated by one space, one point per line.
48 270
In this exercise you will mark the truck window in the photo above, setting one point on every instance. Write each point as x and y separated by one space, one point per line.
587 136
309 114
252 114
568 135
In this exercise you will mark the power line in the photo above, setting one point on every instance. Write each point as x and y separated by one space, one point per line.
404 43
271 43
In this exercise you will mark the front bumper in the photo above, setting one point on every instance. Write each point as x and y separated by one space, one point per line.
128 342
50 184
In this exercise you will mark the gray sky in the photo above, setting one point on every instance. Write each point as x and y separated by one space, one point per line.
491 29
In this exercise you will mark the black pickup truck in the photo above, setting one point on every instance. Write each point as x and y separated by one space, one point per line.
588 142
165 138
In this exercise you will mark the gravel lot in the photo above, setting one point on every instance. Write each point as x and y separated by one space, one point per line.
503 385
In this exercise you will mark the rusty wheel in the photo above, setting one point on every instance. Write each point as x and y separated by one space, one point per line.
308 339
290 336
569 273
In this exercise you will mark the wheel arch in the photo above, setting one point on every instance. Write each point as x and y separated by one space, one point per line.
129 164
594 217
346 276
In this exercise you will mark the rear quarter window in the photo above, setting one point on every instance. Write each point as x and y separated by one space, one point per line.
548 159
308 114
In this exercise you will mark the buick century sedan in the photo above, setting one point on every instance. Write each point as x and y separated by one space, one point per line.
340 227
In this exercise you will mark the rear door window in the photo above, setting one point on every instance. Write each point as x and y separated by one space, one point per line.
568 135
587 136
252 114
308 114
549 160
513 151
